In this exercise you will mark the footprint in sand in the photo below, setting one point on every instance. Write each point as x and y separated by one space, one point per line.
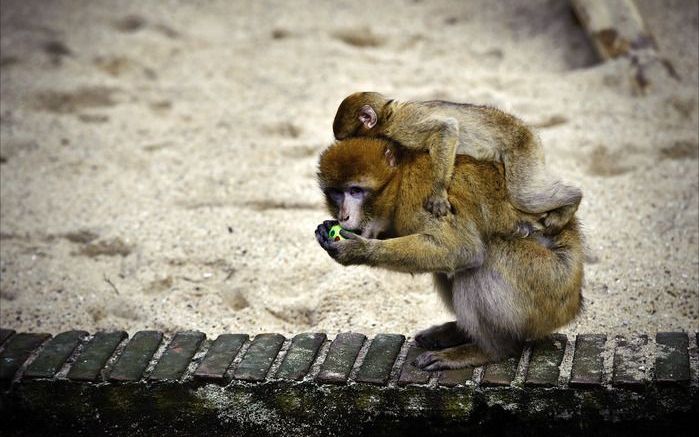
359 37
73 101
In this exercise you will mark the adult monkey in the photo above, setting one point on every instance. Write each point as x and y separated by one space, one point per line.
502 290
445 129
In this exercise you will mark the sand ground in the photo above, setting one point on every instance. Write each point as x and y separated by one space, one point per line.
158 159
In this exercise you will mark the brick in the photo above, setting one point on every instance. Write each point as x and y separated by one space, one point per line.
544 364
377 365
136 356
299 358
671 358
54 354
340 359
219 356
588 362
454 377
410 374
5 334
259 357
629 362
501 373
94 356
176 358
16 352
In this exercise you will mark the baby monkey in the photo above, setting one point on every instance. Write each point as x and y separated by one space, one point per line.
484 133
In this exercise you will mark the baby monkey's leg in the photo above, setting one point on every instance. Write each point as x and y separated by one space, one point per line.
558 203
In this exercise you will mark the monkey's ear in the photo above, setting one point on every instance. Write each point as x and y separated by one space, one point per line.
390 157
367 116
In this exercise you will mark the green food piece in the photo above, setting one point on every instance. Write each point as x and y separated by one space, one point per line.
334 233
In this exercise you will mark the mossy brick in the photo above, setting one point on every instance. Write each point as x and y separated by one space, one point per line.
94 356
54 354
629 362
544 363
136 356
259 357
299 358
409 374
454 377
5 334
340 359
379 360
17 351
671 358
174 361
588 361
501 373
219 357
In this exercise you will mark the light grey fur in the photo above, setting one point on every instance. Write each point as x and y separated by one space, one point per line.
487 308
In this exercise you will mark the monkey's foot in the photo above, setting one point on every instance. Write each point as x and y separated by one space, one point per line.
441 336
465 355
438 205
558 218
525 229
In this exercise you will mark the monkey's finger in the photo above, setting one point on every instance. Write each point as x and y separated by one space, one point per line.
319 238
319 231
322 236
425 359
325 242
437 365
330 223
351 235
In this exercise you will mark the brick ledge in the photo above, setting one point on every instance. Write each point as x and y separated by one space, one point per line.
308 385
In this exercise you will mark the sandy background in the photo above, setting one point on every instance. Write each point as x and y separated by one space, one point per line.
158 159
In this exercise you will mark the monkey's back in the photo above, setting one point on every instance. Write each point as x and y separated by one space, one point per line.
546 275
541 276
485 132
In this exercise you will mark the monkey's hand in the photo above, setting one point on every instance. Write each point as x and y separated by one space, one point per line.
438 204
351 251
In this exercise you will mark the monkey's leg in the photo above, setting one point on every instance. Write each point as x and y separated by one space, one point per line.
444 284
465 355
533 189
557 201
441 336
557 219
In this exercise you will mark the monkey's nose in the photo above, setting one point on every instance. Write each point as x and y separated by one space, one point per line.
345 218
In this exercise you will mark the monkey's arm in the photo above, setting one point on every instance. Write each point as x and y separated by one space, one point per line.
440 137
415 253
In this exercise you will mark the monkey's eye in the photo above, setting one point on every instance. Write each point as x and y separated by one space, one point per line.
356 192
336 195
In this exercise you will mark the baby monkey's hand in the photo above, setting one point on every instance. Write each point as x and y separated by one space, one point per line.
438 204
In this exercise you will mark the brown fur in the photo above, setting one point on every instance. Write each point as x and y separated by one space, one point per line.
445 129
502 290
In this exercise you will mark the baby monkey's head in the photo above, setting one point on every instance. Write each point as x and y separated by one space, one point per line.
358 115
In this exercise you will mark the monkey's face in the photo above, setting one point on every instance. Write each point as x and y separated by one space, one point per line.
353 175
348 206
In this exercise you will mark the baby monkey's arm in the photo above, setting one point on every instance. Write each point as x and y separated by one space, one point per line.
440 137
